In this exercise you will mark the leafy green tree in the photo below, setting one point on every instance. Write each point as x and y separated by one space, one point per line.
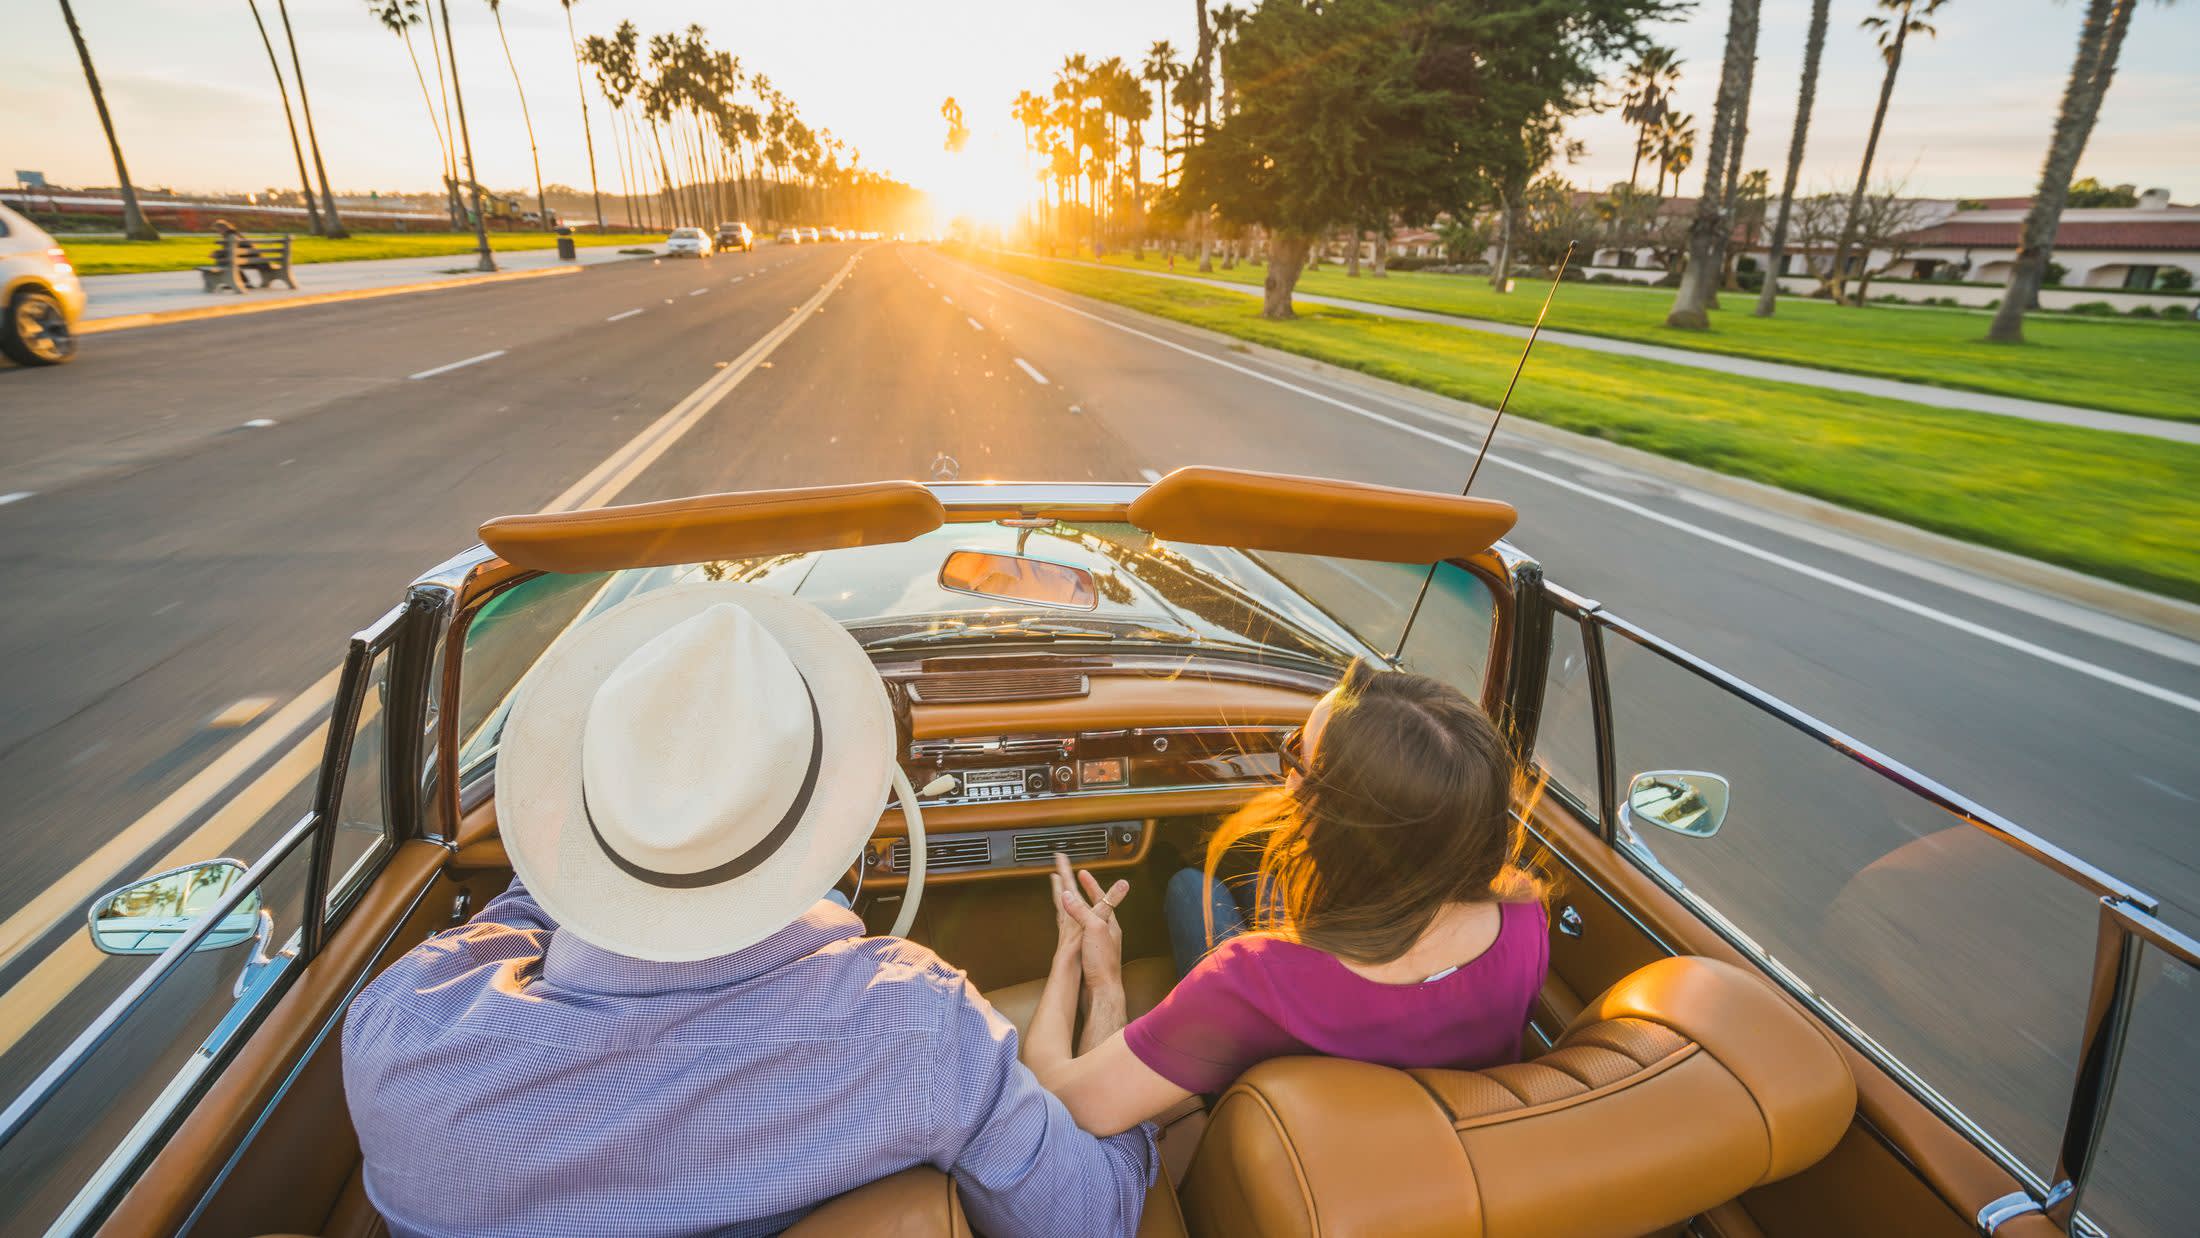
1343 110
2087 191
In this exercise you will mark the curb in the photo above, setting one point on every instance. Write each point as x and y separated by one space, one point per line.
2153 610
125 322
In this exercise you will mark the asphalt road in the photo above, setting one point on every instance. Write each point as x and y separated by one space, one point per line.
177 575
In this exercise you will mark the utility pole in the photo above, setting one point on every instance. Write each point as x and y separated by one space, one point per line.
481 222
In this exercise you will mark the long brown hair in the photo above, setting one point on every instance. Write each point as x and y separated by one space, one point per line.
1408 806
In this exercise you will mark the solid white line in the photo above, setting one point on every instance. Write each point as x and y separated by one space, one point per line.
628 314
16 497
975 325
1027 368
1922 611
1151 475
445 369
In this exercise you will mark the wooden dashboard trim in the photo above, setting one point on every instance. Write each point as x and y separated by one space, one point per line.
1072 810
1118 701
889 881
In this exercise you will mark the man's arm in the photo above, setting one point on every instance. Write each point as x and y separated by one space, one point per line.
1021 1162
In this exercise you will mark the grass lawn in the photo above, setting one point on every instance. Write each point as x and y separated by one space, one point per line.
181 253
2130 366
2115 505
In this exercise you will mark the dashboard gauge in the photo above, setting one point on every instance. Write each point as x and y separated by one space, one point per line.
1101 772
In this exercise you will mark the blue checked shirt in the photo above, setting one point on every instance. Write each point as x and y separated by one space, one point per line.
507 1078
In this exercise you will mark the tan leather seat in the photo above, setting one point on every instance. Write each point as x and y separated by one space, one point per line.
1684 1085
922 1203
1145 982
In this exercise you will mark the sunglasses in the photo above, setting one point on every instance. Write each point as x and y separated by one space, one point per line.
1291 750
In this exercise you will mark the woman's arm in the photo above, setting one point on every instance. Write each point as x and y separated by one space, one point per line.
1108 1090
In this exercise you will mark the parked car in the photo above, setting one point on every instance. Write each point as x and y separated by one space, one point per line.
810 235
687 243
41 292
1791 981
736 235
790 236
831 233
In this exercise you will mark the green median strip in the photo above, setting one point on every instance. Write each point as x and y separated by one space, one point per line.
2119 506
2150 369
182 253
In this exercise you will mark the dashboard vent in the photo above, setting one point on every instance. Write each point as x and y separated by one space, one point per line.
1039 746
1079 843
936 689
943 854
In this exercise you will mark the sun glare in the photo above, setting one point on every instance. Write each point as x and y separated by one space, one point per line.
985 183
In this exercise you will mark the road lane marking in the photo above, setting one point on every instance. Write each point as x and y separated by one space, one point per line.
628 314
1027 368
258 423
15 497
1994 635
944 297
240 713
445 369
699 292
975 325
1151 475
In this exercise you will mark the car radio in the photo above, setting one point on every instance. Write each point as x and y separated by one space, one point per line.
1002 784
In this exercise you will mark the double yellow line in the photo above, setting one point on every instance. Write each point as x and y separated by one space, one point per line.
32 998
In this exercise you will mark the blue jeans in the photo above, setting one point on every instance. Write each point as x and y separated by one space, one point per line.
1185 905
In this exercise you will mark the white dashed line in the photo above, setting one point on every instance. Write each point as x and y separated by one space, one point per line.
1151 475
699 292
16 497
975 325
445 369
628 314
944 297
1027 368
258 423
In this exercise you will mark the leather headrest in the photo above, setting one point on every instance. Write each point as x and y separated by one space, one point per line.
1681 1087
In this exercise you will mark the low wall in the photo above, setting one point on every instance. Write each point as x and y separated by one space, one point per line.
1980 294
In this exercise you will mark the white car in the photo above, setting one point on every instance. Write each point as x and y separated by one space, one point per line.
688 243
42 296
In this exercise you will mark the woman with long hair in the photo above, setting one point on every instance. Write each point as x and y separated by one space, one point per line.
1389 918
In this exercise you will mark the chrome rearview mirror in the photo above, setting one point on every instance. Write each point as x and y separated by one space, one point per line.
147 917
1014 578
1683 801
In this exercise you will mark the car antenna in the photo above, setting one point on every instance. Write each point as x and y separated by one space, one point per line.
1414 615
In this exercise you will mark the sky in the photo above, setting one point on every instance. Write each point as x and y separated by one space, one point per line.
195 105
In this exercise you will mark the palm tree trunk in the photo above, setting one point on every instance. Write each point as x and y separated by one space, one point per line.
313 209
1508 213
450 152
442 146
1702 273
2100 41
1863 174
487 260
335 227
1814 44
134 225
587 131
542 201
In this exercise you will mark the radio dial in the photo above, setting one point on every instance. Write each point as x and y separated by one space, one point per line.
1063 774
1036 782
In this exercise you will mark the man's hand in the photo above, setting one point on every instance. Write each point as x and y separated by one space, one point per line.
1081 901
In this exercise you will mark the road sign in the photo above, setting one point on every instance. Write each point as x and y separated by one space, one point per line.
30 180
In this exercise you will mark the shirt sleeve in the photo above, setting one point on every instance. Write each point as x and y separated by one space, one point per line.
1023 1165
1212 1027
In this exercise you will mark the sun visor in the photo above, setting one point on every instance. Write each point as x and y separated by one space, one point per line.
1318 516
715 526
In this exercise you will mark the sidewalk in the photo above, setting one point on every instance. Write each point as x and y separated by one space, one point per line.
1831 380
167 292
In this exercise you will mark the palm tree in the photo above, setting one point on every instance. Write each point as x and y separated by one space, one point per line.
399 17
1700 277
313 209
1201 80
487 261
1650 83
587 131
2100 40
1893 32
1676 147
542 201
133 219
1814 43
334 227
1031 112
1161 68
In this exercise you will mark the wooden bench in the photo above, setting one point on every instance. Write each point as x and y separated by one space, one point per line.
238 254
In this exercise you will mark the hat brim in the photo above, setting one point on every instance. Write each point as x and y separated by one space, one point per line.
545 827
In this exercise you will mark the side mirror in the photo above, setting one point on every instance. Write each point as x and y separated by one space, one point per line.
1683 801
149 916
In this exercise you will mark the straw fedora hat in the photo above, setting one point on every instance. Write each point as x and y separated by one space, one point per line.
686 773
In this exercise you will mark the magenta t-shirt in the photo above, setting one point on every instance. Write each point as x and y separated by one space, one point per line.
1256 997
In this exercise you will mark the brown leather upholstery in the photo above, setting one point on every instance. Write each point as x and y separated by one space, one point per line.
1318 516
1145 983
716 526
1681 1087
922 1203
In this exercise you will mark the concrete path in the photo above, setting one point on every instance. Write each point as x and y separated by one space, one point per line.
159 292
1831 380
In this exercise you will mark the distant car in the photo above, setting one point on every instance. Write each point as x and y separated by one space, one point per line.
790 236
832 234
687 243
736 236
41 292
810 235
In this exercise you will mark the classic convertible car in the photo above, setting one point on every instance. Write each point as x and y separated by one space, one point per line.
1796 988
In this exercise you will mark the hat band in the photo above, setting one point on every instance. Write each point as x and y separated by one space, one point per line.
748 859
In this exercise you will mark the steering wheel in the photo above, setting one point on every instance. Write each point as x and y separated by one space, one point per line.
913 817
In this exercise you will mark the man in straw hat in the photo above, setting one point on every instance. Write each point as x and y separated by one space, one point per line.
666 1026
